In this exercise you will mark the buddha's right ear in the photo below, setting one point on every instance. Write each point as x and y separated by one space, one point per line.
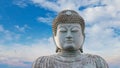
54 39
57 49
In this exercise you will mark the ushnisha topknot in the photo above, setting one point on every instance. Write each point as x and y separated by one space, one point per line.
68 16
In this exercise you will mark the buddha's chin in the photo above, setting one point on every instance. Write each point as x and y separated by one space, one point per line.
69 47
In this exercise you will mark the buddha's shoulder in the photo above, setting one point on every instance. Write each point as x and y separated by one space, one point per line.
50 57
91 56
100 62
83 56
43 59
40 61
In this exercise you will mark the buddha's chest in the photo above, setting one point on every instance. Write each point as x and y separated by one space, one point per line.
77 64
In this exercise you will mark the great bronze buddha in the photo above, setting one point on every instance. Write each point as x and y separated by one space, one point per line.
68 34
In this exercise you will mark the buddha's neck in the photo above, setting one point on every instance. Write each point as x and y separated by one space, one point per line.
74 53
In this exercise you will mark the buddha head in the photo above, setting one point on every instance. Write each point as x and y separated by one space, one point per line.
68 30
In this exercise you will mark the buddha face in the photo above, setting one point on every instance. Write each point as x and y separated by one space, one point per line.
69 36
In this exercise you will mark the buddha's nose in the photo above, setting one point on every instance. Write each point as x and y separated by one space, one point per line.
69 35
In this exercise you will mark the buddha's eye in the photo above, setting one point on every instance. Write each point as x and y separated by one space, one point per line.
62 30
75 29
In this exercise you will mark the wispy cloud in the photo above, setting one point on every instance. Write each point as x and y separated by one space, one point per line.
47 20
22 29
67 4
94 12
17 54
20 3
7 35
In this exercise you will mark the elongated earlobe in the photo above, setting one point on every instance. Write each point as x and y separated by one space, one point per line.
57 49
81 49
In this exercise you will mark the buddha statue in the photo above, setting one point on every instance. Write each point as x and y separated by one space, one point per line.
68 34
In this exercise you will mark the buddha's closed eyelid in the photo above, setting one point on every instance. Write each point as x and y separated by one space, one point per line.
62 29
75 29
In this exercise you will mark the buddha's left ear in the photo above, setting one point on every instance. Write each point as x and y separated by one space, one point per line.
81 48
84 37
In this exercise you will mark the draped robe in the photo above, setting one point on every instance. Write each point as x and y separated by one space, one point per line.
82 61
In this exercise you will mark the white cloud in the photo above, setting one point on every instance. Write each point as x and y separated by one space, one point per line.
20 3
64 4
7 35
22 29
46 4
47 20
17 54
104 9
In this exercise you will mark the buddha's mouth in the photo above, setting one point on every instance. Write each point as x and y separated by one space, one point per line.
69 41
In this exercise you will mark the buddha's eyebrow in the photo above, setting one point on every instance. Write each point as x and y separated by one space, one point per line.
61 27
76 26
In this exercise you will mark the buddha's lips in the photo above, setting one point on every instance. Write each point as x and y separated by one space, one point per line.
69 41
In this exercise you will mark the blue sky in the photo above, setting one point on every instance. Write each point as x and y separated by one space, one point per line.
26 32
